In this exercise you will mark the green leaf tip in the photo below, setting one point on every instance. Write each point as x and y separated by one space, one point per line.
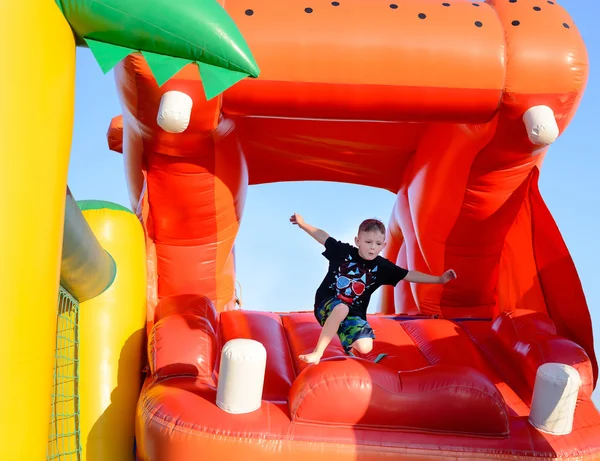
107 55
192 30
215 80
164 67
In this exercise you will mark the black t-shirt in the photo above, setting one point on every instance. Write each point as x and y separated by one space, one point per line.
353 279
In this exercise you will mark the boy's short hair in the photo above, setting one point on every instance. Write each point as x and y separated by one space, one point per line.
370 225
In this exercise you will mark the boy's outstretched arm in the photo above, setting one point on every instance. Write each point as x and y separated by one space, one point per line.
318 234
419 277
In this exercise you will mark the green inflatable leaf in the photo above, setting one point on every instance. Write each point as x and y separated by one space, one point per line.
215 80
106 54
164 67
192 30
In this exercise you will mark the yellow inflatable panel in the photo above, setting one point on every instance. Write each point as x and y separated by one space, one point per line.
112 338
35 141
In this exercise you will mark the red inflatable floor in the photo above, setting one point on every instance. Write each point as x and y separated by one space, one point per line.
456 389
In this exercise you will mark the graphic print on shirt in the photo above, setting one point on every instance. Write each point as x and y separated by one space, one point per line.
352 280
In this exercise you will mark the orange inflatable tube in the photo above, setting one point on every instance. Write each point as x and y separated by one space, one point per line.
450 105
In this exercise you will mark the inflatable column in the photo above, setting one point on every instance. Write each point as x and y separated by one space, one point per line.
112 338
36 123
187 171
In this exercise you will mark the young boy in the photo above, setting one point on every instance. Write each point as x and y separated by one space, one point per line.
354 274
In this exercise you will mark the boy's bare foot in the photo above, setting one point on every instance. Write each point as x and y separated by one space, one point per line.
313 358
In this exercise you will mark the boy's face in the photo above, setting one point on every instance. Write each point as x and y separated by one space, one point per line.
370 244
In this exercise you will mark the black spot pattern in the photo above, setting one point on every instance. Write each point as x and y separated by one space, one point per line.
394 6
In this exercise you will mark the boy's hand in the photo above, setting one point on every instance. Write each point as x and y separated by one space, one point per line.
447 276
319 235
297 219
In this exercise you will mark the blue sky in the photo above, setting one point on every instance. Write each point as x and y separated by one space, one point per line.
278 266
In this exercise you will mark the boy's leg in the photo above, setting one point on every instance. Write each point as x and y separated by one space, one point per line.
356 334
363 345
330 328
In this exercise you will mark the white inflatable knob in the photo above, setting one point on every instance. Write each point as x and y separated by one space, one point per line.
241 376
174 112
554 398
541 125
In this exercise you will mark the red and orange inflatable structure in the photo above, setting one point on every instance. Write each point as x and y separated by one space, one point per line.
450 105
424 99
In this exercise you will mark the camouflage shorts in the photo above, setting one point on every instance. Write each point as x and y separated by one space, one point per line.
352 327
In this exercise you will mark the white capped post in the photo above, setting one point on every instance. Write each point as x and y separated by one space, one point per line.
241 376
175 112
554 398
541 125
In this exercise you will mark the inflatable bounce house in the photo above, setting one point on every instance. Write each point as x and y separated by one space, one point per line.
450 105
